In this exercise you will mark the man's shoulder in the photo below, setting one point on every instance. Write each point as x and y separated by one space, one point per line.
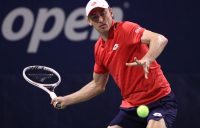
98 42
127 24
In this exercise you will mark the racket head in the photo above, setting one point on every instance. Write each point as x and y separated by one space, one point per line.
42 76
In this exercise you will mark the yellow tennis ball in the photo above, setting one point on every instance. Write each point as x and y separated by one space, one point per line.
142 111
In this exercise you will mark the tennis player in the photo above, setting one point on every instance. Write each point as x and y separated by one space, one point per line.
128 53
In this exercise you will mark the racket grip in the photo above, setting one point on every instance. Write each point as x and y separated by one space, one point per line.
58 105
52 95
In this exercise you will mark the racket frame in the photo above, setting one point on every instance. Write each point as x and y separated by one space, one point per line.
44 86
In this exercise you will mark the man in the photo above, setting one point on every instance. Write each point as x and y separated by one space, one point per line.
127 52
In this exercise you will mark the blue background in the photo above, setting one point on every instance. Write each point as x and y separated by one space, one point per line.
24 106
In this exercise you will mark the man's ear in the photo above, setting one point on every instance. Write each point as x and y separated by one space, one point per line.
90 24
111 12
88 20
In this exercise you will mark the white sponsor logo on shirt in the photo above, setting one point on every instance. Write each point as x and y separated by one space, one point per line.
115 47
138 30
157 114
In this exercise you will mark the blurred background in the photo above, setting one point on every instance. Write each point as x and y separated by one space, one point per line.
55 33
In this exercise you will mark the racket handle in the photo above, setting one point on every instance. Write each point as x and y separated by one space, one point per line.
52 95
58 105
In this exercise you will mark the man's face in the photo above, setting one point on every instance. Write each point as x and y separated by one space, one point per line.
101 19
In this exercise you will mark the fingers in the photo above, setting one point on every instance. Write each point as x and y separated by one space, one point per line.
143 63
53 100
135 63
57 103
132 64
146 71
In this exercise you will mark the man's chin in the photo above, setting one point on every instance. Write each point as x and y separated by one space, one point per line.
103 30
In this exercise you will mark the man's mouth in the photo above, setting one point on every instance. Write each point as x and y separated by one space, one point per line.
102 25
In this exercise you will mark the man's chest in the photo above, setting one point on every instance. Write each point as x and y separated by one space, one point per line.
113 52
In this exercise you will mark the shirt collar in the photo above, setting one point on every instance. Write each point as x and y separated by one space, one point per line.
111 30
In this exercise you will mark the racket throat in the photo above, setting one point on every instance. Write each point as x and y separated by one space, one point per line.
50 88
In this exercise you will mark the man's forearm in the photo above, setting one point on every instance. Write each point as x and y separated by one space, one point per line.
156 46
86 93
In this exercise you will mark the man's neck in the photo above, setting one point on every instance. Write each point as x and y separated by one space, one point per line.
108 34
104 36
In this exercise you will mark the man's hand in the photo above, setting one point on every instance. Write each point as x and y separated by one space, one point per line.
143 62
60 100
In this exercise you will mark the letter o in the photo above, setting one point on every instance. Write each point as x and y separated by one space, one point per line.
7 25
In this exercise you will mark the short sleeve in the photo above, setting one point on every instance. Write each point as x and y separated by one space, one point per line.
134 32
99 69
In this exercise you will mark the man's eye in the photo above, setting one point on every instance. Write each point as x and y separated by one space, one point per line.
94 17
104 13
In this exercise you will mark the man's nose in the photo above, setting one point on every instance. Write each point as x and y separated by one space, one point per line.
100 18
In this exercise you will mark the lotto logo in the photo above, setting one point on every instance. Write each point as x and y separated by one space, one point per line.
115 47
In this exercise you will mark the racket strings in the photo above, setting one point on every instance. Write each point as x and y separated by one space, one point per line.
42 76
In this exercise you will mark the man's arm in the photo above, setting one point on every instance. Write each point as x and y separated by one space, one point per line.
90 90
157 43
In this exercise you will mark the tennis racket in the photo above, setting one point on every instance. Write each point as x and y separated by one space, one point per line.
44 78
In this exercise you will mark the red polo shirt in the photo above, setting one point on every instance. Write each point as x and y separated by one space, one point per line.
123 44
